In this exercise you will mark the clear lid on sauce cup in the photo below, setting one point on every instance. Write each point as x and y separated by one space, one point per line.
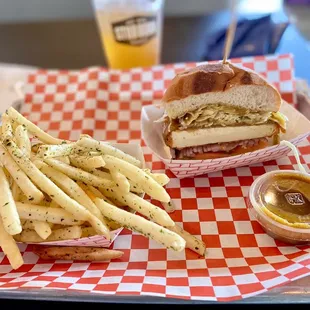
280 201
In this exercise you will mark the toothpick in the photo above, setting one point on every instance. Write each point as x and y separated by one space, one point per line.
230 34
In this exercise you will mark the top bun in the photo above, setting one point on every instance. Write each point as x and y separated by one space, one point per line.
219 83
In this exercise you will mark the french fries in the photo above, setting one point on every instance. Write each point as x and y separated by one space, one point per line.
135 188
121 181
6 129
140 205
168 206
70 187
10 248
67 233
88 232
99 173
78 174
45 183
95 191
148 184
54 204
87 162
8 212
16 192
60 190
76 253
50 215
19 176
22 140
27 224
160 178
64 159
35 130
192 242
30 224
137 223
104 148
43 229
66 202
46 151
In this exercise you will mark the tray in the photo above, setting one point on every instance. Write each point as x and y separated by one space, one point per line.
241 261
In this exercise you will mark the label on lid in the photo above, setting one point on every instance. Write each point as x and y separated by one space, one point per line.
295 199
287 195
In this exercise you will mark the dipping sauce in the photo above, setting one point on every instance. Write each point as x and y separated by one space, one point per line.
287 195
280 201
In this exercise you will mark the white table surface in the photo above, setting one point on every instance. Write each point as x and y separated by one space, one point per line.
10 76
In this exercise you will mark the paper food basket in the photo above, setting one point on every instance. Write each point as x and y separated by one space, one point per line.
298 129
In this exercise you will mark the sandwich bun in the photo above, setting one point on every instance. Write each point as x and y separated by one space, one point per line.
219 83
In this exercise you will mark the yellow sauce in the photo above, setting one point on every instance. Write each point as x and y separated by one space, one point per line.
286 198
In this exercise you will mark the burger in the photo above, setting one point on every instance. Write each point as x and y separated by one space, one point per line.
219 110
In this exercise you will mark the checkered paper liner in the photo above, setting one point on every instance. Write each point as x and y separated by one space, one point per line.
241 260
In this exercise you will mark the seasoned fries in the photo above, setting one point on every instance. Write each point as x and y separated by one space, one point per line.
67 233
35 130
137 223
8 212
87 162
46 151
160 178
148 184
25 184
44 214
16 192
64 159
70 187
192 242
95 192
76 253
42 229
168 206
121 181
10 248
140 205
104 148
7 130
60 190
22 140
46 185
78 174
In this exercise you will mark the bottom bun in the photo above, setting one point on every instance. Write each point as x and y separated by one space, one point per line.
237 151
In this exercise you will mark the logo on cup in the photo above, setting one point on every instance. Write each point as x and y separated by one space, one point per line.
136 30
295 199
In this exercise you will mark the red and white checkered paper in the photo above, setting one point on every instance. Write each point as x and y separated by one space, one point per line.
241 260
